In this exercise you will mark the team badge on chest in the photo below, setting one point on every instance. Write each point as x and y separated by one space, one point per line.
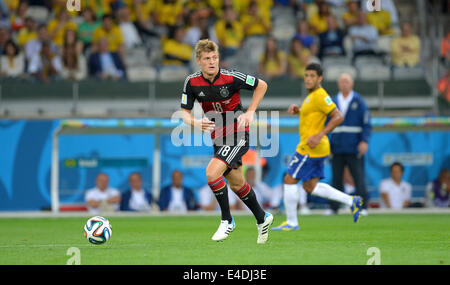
224 92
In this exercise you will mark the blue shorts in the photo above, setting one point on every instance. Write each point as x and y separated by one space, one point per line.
306 168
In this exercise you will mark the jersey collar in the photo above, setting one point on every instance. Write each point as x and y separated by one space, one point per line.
215 78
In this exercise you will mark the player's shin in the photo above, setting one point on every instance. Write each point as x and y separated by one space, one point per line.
326 191
220 190
248 196
291 199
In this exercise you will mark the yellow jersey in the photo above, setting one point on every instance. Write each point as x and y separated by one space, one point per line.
313 114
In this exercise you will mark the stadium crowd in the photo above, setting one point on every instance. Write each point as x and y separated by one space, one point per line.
107 39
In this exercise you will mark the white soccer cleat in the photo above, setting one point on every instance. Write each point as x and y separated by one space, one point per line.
225 228
263 229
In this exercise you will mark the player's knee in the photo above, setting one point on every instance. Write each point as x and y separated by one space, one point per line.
211 175
309 187
289 179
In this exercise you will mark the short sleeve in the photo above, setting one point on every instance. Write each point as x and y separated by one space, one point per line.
408 191
383 188
89 195
187 97
325 103
114 192
244 81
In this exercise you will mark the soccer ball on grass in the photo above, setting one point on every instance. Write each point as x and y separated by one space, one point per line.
97 230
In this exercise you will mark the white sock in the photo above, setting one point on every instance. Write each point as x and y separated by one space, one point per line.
326 191
303 196
291 198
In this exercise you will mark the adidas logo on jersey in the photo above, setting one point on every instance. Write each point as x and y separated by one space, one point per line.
201 94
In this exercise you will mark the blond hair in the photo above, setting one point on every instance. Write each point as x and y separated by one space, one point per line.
205 45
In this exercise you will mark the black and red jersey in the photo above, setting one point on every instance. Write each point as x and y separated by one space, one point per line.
221 96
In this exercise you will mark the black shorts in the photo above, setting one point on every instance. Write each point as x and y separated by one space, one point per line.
231 151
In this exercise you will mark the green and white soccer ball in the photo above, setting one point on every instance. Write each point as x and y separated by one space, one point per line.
97 230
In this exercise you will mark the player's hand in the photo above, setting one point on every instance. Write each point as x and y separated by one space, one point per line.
205 125
293 109
314 140
245 119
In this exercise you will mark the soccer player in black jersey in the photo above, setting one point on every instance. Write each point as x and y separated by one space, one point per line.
217 91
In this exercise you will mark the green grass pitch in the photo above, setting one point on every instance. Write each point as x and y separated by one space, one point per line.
401 239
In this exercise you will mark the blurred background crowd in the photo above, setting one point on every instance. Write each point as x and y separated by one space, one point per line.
139 39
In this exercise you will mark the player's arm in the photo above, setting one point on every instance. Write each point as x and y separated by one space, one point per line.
187 104
258 94
203 124
336 118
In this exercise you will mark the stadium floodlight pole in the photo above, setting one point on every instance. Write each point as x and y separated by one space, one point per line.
54 191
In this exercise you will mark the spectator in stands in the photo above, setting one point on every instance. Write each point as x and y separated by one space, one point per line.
168 13
74 65
27 33
112 33
57 27
438 190
102 198
230 34
209 203
350 140
33 47
350 17
176 197
256 22
99 7
4 19
12 63
18 17
136 198
130 33
199 29
298 59
308 40
388 6
46 65
105 64
381 20
332 41
175 51
71 39
87 27
364 37
141 12
405 49
394 191
273 62
5 36
318 22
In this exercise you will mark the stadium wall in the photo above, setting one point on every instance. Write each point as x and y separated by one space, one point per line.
25 161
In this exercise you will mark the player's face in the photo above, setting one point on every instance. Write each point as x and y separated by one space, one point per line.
209 63
312 80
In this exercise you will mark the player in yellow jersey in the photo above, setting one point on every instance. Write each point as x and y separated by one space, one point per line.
307 163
